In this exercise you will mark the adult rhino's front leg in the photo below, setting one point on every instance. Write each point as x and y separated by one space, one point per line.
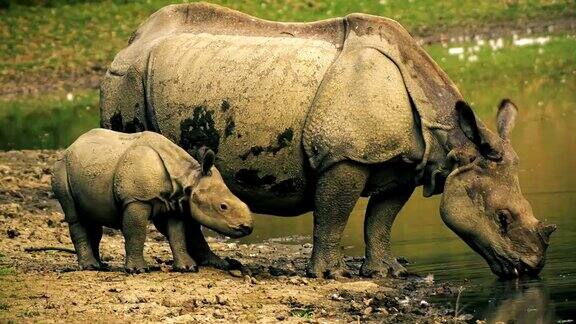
337 191
201 252
380 214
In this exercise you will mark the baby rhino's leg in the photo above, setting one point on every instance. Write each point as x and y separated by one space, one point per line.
134 222
79 232
176 233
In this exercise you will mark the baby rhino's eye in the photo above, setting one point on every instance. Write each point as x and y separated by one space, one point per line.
223 206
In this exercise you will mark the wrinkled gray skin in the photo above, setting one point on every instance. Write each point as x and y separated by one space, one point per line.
312 116
118 180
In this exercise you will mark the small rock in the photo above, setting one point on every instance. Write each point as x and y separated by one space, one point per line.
4 169
12 233
235 273
336 297
307 245
114 290
367 311
169 302
367 301
405 301
355 306
383 311
218 314
424 303
222 300
280 317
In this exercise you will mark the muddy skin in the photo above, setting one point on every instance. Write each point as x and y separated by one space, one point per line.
106 178
324 113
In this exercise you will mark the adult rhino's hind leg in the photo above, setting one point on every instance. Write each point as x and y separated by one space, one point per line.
380 214
79 233
200 251
337 191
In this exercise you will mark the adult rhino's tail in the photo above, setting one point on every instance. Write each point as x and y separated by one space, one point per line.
122 102
123 99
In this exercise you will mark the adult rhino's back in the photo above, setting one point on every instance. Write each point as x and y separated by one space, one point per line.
202 74
245 97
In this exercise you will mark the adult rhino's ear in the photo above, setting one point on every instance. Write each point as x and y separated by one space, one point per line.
506 118
206 158
486 144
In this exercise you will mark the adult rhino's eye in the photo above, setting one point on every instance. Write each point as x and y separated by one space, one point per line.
223 206
505 219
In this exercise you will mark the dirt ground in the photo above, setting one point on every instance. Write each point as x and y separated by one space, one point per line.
47 286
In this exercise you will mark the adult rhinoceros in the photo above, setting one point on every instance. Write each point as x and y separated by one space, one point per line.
312 116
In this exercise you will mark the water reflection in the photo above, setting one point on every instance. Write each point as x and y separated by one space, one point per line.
520 302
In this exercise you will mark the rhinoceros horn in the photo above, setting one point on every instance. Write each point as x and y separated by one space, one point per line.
545 232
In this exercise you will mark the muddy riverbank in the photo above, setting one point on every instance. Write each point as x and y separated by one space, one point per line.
47 286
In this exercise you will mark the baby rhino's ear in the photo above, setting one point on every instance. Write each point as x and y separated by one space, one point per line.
205 157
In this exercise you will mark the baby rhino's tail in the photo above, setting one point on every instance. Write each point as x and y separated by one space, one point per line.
62 192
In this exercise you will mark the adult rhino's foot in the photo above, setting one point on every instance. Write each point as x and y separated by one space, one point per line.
90 264
187 265
104 266
134 267
322 270
389 267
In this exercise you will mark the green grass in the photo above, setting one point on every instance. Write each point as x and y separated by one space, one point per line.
64 39
47 121
4 270
530 75
303 312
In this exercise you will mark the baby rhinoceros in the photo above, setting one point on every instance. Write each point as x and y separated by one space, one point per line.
106 178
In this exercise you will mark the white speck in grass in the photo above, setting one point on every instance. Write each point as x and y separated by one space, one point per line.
540 50
480 42
383 2
69 96
543 40
472 58
461 56
531 41
456 50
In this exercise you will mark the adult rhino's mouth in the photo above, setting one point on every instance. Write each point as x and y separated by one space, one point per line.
505 266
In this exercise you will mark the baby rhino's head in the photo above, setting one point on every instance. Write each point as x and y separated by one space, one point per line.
213 205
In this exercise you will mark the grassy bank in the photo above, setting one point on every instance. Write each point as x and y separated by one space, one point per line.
45 43
534 76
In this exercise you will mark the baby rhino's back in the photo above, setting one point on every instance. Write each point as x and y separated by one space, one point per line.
91 162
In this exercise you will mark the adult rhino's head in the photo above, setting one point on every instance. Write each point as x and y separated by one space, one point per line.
482 201
213 205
